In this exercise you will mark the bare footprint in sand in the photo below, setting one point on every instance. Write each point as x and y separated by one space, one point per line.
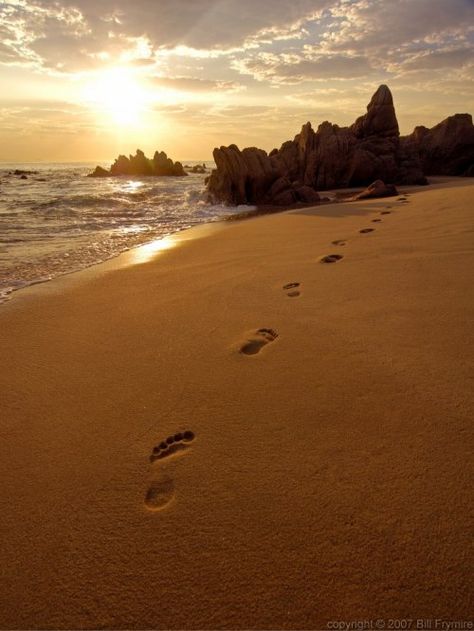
160 491
331 258
339 242
366 230
385 212
257 341
172 444
292 289
376 220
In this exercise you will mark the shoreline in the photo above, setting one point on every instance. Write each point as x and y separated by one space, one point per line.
235 435
134 255
337 197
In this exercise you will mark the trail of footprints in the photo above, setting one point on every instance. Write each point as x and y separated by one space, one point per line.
160 491
258 339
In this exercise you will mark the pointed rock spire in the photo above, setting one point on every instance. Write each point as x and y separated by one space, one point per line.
380 118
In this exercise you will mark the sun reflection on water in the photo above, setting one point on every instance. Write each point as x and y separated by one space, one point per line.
146 252
131 186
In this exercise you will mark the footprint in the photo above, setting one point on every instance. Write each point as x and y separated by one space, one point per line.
339 242
261 338
365 230
171 445
293 287
161 489
160 493
331 258
385 212
376 220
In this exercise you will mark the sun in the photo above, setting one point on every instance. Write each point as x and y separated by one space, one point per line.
118 95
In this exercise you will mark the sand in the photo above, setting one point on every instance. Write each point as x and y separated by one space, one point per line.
327 473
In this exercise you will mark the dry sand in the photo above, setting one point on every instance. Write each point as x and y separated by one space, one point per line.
330 476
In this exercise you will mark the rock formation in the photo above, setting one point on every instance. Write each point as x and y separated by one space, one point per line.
331 157
139 164
376 189
197 168
446 148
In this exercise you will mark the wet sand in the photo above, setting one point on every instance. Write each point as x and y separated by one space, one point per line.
267 427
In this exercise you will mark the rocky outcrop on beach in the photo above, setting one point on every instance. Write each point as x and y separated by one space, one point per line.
139 164
251 176
332 157
375 190
447 148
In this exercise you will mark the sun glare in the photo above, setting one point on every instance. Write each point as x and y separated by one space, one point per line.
118 95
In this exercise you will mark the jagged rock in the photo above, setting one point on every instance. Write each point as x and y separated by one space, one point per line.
380 119
376 189
139 164
447 148
162 165
241 177
331 157
251 176
99 172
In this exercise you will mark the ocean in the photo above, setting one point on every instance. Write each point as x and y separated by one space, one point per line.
57 220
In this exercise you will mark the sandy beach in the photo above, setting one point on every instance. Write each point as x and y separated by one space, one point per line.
319 466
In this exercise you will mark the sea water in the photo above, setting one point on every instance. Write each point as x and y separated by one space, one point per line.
58 220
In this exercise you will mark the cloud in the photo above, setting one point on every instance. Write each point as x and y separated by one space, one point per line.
77 30
273 41
376 27
191 84
434 60
56 118
296 68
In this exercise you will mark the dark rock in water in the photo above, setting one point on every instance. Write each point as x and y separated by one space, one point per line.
162 165
447 148
331 157
100 172
140 165
197 168
376 189
23 177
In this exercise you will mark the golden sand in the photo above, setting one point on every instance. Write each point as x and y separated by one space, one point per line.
318 464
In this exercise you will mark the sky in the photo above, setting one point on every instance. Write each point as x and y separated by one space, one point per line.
87 80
